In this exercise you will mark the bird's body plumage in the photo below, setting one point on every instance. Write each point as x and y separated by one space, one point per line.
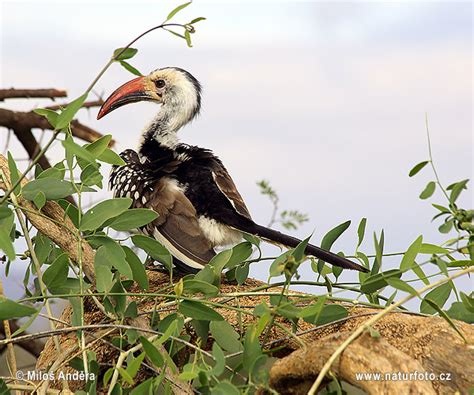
199 207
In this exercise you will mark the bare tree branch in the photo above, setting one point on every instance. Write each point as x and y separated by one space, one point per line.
13 93
29 120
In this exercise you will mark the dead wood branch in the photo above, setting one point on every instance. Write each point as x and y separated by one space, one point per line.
29 120
13 93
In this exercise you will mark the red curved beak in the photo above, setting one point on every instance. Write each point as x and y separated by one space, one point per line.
130 92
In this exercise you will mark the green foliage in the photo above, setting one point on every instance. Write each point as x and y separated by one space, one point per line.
190 335
10 309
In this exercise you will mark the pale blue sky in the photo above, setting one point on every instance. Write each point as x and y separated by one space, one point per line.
324 99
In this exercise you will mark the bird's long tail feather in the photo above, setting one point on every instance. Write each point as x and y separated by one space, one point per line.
274 236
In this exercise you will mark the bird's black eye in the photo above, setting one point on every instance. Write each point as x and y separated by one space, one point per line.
160 83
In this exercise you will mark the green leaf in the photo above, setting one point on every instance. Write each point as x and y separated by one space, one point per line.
195 20
104 277
219 357
311 313
410 255
133 218
50 115
427 248
417 168
5 212
456 190
134 366
225 388
252 349
330 313
125 376
378 245
4 390
52 188
152 352
39 200
69 112
428 191
401 285
251 239
91 176
361 231
103 211
458 311
441 208
445 316
170 331
57 171
299 251
379 280
420 273
187 37
127 66
80 152
446 226
240 253
6 224
14 176
332 236
97 147
201 328
198 311
122 54
154 249
278 265
438 295
242 273
10 309
176 10
468 302
219 261
461 263
226 336
146 387
111 254
111 157
193 286
56 274
138 270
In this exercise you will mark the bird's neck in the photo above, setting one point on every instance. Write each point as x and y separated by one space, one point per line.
164 127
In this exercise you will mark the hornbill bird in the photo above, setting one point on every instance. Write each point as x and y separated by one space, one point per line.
198 205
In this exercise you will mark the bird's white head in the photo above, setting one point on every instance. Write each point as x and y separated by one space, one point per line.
175 89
